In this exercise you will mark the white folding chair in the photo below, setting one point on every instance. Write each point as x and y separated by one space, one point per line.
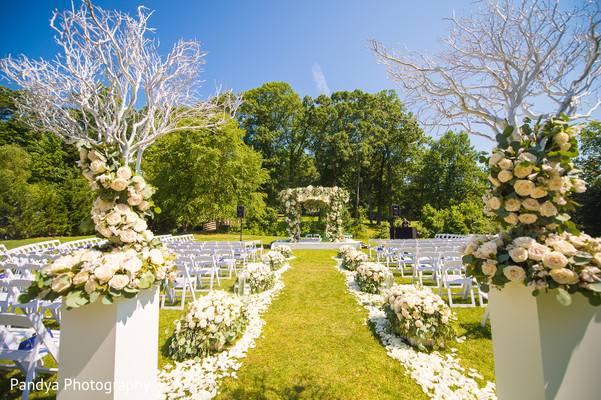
406 259
453 276
182 283
425 266
14 287
225 261
204 270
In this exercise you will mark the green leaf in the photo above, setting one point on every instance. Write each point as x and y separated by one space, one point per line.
107 300
94 296
563 297
146 281
137 179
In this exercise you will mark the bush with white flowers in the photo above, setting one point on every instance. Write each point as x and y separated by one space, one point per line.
371 277
352 259
533 178
285 250
212 322
259 276
418 314
274 259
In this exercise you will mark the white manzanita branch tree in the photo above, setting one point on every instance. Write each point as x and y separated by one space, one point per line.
503 62
111 85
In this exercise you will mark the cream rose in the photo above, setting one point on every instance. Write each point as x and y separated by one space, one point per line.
528 157
494 203
113 218
159 274
134 199
524 241
128 236
555 260
561 138
506 164
522 171
118 282
548 209
514 273
97 167
513 204
579 185
538 192
124 173
537 251
505 175
119 184
89 175
144 205
139 186
103 273
578 241
527 218
91 285
488 248
531 204
564 276
133 265
148 235
524 187
156 257
122 208
489 267
140 226
494 181
519 254
565 248
104 231
495 158
555 184
512 219
131 217
60 284
80 278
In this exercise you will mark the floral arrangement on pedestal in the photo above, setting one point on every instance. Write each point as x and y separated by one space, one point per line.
533 177
314 198
353 258
416 313
212 322
259 276
131 260
274 259
372 277
285 250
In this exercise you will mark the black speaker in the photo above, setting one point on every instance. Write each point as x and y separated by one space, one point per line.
240 212
396 210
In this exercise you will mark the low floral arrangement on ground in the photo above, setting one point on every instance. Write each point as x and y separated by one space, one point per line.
533 177
285 250
212 322
259 276
131 260
418 314
372 277
343 250
274 259
352 259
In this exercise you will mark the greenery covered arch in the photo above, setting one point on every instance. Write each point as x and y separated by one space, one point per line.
333 198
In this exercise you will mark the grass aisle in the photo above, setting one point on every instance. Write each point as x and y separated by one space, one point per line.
316 344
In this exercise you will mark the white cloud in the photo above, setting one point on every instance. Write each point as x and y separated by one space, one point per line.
320 80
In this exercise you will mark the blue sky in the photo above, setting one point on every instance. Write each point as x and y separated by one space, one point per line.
314 45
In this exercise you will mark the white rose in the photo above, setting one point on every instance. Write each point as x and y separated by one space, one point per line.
505 176
113 218
103 273
513 204
523 187
537 251
555 260
561 138
159 274
488 248
495 158
565 248
122 208
494 203
579 185
118 184
522 171
140 225
512 219
538 192
134 199
148 235
527 218
514 273
564 276
59 284
131 217
548 209
97 167
519 254
132 265
90 285
489 268
144 205
156 257
139 186
80 278
128 236
555 184
124 173
506 164
118 282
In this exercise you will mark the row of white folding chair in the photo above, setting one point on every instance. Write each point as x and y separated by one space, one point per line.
14 329
193 272
10 290
225 259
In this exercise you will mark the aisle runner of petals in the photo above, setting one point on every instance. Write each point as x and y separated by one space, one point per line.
441 377
200 380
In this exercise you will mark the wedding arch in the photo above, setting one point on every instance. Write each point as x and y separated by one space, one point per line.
315 198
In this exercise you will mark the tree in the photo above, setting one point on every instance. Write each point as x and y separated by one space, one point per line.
588 216
203 176
108 67
501 62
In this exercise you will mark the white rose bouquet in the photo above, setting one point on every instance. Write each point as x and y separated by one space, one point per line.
421 316
274 259
212 322
533 178
285 250
343 250
371 277
259 276
353 258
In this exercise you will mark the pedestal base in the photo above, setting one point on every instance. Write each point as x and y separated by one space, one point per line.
110 351
542 349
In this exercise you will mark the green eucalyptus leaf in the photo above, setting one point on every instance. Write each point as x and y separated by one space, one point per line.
563 297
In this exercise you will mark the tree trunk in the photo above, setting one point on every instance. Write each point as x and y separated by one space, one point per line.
358 191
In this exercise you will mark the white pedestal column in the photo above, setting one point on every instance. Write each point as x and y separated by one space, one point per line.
542 349
110 351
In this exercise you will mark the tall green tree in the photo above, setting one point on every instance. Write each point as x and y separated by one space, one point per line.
203 176
588 215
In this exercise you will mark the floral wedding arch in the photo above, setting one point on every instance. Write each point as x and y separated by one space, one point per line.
314 198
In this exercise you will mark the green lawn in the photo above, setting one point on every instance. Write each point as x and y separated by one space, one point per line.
315 344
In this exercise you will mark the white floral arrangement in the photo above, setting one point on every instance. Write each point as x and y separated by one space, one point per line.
285 250
259 276
353 258
333 197
274 259
372 277
343 250
212 322
533 178
416 313
131 261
